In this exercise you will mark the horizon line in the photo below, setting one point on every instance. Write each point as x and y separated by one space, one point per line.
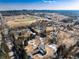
38 9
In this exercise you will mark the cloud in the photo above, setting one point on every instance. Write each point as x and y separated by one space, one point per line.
49 1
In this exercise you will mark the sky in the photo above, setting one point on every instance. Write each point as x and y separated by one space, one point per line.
39 4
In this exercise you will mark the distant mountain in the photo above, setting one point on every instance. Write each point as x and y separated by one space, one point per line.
63 12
